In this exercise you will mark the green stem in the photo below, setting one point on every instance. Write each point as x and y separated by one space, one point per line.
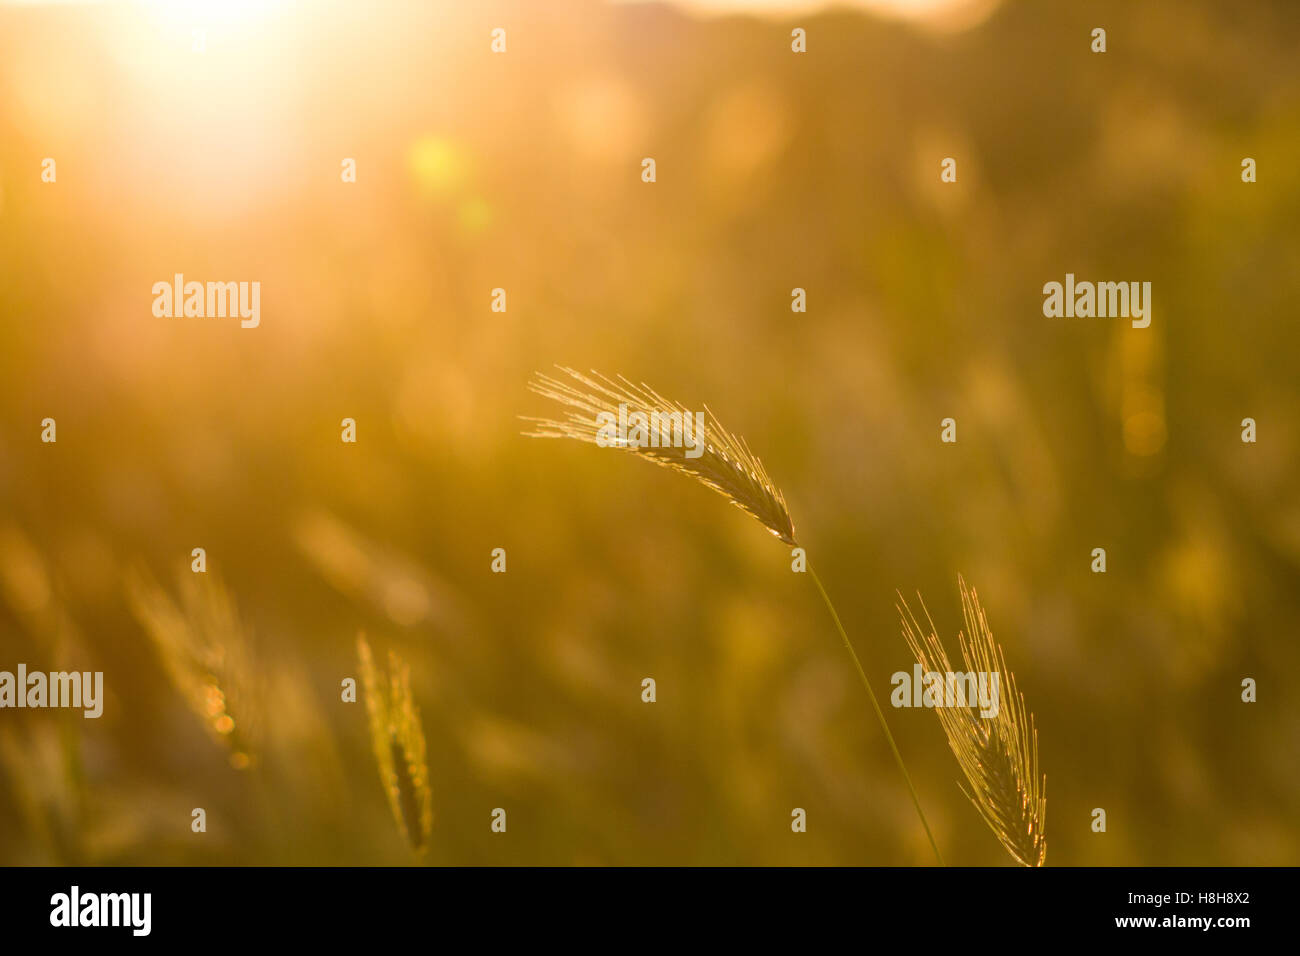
880 715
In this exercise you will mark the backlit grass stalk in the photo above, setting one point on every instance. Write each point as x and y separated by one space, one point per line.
725 464
397 738
999 754
880 714
207 653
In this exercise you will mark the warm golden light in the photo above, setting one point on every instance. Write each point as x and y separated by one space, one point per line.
371 231
939 14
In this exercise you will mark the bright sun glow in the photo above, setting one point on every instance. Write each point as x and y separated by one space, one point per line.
212 11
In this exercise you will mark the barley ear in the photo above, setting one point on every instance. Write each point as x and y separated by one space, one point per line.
397 738
999 754
724 464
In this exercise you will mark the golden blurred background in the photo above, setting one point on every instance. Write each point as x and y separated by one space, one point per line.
521 171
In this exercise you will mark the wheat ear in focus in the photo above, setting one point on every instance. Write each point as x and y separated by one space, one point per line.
998 755
726 464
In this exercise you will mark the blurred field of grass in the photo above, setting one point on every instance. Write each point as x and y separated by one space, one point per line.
775 171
